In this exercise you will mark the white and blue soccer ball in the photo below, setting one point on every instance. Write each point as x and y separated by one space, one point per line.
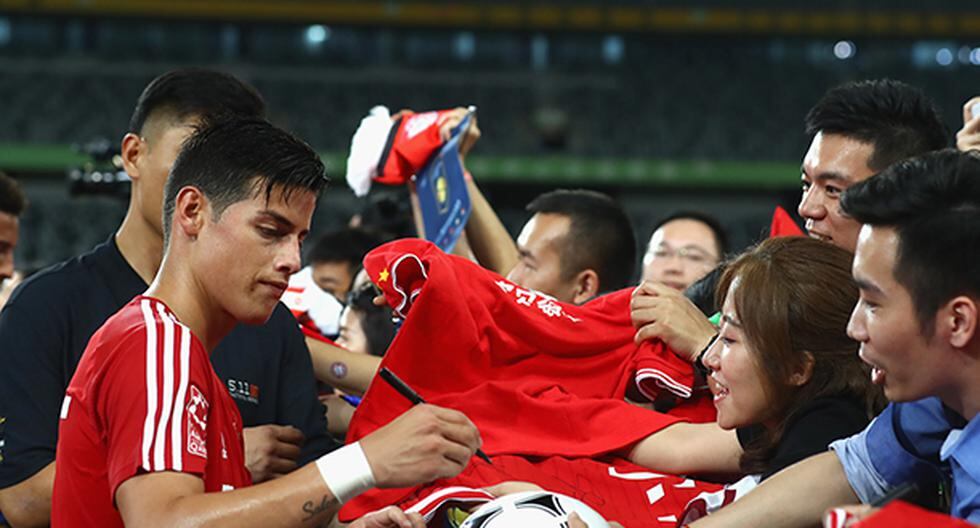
532 509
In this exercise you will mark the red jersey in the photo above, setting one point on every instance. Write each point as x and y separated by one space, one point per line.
143 399
541 380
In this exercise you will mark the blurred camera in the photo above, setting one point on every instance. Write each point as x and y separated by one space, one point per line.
102 174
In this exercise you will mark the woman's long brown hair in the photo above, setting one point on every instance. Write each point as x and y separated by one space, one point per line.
794 296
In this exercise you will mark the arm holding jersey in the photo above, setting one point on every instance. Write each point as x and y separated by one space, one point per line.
686 448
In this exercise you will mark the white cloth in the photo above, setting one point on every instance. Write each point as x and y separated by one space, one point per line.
366 147
304 296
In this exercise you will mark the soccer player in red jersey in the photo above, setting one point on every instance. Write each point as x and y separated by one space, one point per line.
148 435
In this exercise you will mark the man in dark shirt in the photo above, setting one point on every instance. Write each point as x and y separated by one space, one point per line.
49 319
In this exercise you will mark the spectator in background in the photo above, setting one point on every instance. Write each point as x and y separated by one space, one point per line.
50 318
336 256
578 244
684 247
856 129
918 324
366 328
12 204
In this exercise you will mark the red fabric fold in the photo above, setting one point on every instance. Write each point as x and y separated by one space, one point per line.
415 140
783 224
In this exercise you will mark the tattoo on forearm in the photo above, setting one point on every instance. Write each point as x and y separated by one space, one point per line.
339 369
312 509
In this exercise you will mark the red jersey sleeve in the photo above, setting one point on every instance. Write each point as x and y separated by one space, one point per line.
152 404
657 369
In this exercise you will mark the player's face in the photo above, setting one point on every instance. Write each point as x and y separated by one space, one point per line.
9 227
333 278
252 249
884 322
680 252
736 381
832 164
160 147
352 335
539 263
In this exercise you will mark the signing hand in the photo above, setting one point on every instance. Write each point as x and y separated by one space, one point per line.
423 444
661 312
271 450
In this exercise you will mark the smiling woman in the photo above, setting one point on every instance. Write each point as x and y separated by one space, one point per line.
785 376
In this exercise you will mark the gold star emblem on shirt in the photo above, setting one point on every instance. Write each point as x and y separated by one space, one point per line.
383 276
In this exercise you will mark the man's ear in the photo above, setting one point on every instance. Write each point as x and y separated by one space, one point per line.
803 375
190 210
586 286
132 149
959 319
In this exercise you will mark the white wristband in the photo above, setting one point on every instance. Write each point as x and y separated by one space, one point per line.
346 472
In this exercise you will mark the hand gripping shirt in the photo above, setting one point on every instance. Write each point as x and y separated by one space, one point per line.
143 399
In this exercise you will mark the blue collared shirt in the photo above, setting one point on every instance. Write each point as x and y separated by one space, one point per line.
922 442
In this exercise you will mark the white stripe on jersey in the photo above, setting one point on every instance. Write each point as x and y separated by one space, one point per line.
167 398
151 380
177 423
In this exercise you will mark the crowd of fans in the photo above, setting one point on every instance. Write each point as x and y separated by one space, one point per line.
157 380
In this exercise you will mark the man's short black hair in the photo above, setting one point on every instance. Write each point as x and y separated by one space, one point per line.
933 202
195 92
721 238
897 118
600 236
348 245
12 199
230 160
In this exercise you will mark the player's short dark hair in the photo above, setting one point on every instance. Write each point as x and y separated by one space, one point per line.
233 159
933 202
721 238
600 236
348 245
195 92
12 198
897 118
